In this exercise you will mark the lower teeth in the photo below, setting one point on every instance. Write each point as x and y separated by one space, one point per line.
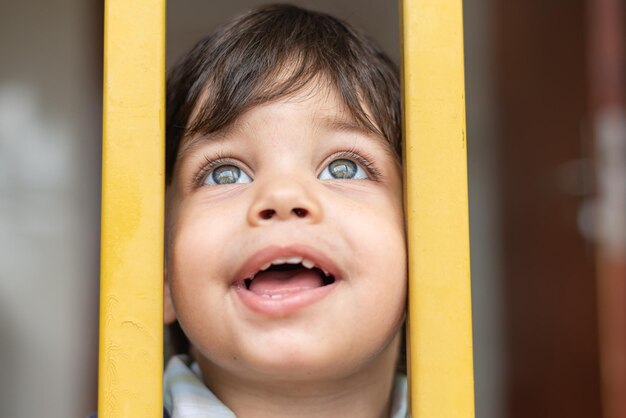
271 296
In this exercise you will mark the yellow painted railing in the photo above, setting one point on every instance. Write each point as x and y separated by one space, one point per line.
440 330
131 319
131 291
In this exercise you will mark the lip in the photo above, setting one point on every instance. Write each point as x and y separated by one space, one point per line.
291 303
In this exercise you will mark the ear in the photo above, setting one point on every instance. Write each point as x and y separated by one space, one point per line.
169 313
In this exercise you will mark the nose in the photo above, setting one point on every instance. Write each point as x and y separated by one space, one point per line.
284 199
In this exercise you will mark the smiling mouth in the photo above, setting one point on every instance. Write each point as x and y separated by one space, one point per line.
287 277
281 281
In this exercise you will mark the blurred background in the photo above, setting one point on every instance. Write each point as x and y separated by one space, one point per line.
545 87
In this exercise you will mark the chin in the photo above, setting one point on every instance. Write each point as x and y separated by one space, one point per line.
306 361
301 369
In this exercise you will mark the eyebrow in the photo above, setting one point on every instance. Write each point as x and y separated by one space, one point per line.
331 123
188 144
343 124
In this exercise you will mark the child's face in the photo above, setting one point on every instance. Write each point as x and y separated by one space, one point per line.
288 200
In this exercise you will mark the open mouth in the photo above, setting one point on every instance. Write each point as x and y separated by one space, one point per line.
280 281
286 277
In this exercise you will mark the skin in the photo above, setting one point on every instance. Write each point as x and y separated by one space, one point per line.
337 356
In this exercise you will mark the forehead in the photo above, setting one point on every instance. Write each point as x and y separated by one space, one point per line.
318 102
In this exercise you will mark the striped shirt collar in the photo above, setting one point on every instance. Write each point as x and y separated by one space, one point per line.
186 396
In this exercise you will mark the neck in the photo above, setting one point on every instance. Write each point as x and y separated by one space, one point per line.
364 394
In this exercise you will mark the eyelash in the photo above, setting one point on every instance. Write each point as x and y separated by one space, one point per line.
210 163
361 158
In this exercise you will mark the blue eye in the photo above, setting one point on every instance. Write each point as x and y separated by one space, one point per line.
226 174
343 169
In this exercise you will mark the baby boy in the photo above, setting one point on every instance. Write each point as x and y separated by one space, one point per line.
285 283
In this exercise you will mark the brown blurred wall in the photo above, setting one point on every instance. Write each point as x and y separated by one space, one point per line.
549 271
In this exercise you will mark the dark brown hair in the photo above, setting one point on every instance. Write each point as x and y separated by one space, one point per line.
268 54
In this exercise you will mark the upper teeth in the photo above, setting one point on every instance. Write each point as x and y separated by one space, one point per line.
290 260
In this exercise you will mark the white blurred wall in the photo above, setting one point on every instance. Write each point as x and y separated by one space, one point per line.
485 237
49 191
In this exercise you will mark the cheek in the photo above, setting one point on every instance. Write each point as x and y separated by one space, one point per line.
376 237
198 236
386 240
197 288
192 253
376 231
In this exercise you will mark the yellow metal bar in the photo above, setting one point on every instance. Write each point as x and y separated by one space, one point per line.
440 331
131 292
